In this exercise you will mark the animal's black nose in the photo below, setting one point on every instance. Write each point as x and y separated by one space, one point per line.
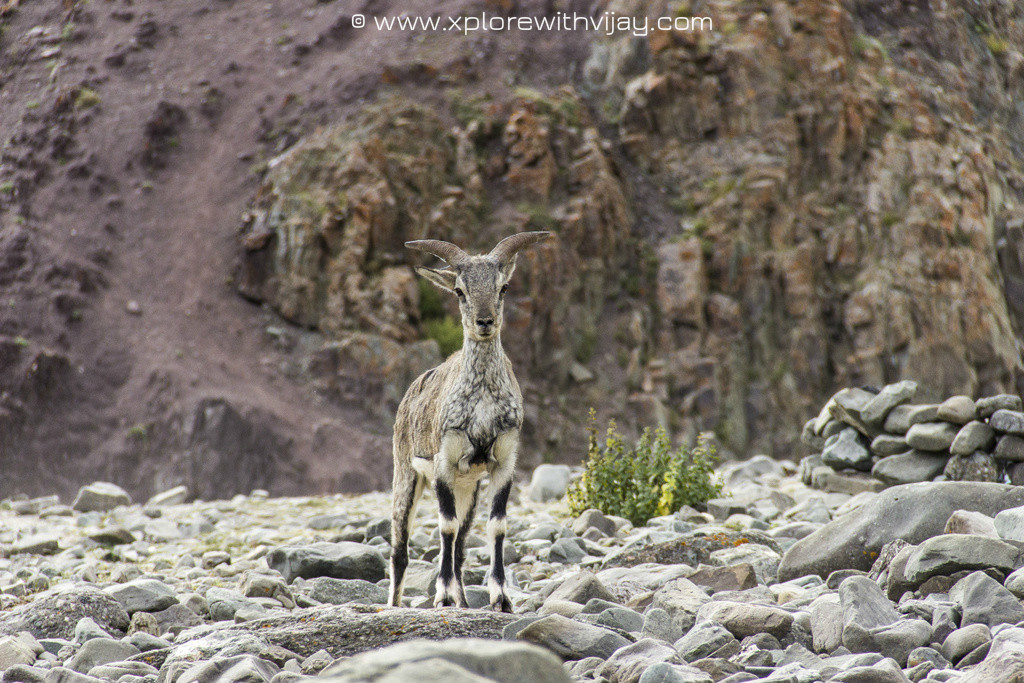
485 322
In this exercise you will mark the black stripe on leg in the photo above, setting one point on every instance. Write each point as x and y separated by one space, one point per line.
500 502
498 561
460 540
445 500
446 575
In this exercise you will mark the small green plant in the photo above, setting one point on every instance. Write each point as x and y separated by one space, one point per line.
903 127
446 331
21 341
138 432
7 187
87 97
644 480
431 305
997 45
538 216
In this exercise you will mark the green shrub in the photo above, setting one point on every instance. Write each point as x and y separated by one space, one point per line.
446 331
644 480
431 305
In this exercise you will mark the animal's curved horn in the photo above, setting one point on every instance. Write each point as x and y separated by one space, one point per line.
441 249
508 247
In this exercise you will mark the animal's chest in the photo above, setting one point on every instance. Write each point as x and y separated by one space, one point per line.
484 416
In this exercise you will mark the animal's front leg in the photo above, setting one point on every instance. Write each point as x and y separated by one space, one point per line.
500 486
451 510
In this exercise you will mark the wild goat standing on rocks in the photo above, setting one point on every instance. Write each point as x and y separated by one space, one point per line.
461 421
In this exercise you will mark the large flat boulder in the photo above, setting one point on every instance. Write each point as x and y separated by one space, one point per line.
913 512
351 629
491 660
55 613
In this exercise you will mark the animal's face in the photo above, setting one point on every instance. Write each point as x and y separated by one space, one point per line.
480 283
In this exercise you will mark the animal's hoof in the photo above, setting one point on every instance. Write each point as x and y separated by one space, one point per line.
502 604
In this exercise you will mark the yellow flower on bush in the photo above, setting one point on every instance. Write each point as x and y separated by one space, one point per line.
647 479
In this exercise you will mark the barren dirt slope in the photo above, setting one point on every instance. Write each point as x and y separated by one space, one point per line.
130 133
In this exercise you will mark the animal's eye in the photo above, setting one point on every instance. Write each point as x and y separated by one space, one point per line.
459 293
504 288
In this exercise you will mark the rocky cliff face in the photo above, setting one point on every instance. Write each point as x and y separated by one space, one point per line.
816 194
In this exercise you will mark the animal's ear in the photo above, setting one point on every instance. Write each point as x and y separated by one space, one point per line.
507 268
445 279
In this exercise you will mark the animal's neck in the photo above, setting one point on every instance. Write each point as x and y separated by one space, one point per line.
482 358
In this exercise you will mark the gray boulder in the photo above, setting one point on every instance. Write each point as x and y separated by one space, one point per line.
100 496
345 560
236 669
746 619
913 512
826 623
964 640
143 595
931 436
347 629
903 418
674 673
682 599
888 444
593 519
116 670
892 395
909 467
549 482
581 587
15 650
950 553
1008 421
341 591
1004 662
566 551
957 409
964 522
658 624
976 467
1009 524
987 406
100 651
55 614
898 419
500 661
1010 447
848 405
628 663
973 436
885 671
983 600
899 639
865 609
174 496
845 450
703 639
571 639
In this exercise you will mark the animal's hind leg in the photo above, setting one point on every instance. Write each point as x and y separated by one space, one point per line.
405 496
